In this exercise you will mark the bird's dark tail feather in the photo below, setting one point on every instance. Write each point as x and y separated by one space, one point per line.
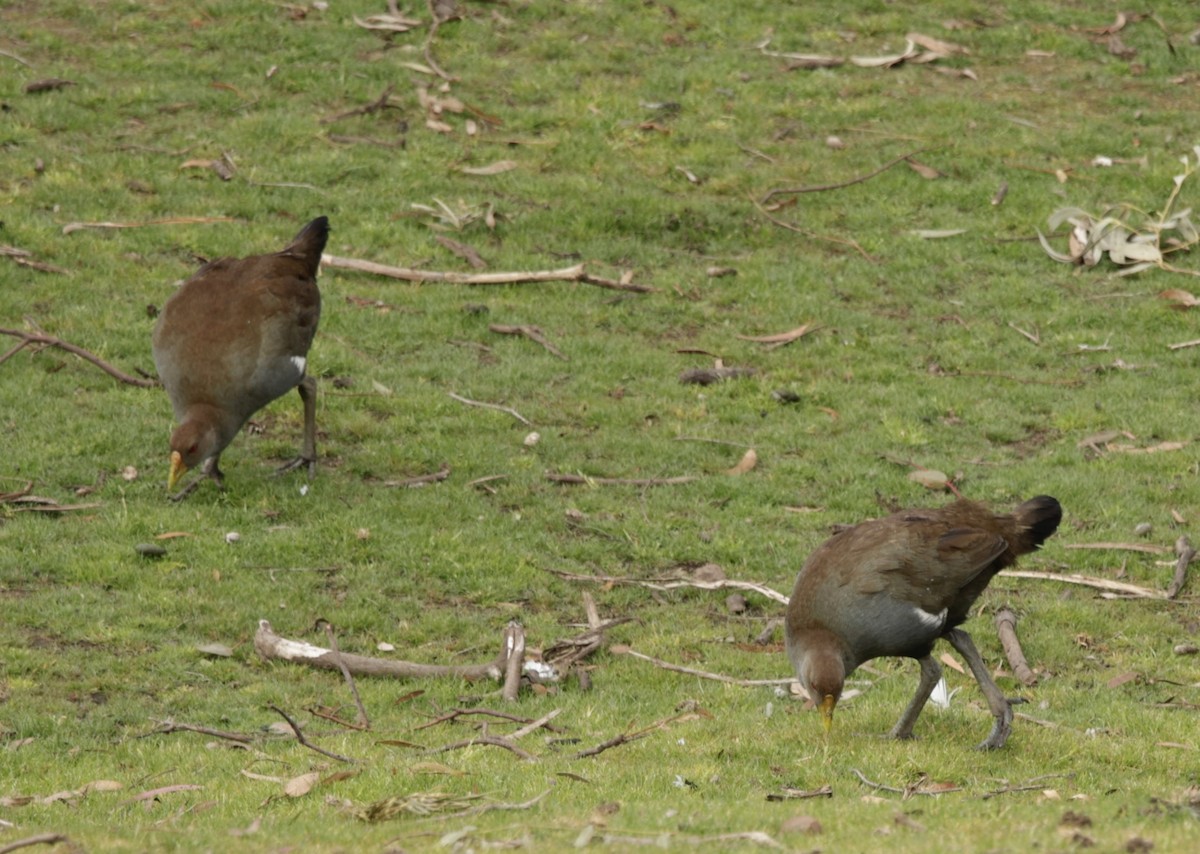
310 243
1037 520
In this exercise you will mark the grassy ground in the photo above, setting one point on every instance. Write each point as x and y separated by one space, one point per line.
605 108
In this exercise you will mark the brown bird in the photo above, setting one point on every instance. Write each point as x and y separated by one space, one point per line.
893 586
233 338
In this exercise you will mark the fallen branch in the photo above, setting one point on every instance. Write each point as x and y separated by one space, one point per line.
621 649
493 740
514 650
1087 581
533 333
1183 548
1030 785
24 258
39 839
532 726
28 338
820 188
576 273
1006 625
422 479
300 737
482 808
554 477
439 18
495 406
672 584
271 646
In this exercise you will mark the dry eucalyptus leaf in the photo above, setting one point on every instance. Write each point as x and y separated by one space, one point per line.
805 60
937 233
497 168
1180 298
926 172
217 650
910 51
747 463
302 785
929 478
937 45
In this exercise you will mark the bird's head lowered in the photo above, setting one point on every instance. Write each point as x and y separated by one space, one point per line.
817 658
192 442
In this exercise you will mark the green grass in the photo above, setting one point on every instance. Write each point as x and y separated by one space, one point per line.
916 359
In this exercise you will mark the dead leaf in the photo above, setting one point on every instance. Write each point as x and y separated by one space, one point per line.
781 338
937 45
937 233
462 250
926 172
952 662
299 786
436 768
929 478
217 650
811 60
800 824
49 85
747 463
102 786
1118 681
497 168
1179 298
910 51
171 535
689 174
438 126
1150 449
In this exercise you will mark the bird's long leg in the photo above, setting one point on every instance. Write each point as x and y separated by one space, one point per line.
931 672
308 450
997 702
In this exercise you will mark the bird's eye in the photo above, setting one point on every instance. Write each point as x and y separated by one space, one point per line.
195 447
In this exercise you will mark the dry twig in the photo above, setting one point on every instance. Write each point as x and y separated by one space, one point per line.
820 188
493 740
620 649
39 839
555 477
672 584
495 406
626 737
363 722
28 338
454 714
1006 625
300 737
533 333
380 103
422 479
168 726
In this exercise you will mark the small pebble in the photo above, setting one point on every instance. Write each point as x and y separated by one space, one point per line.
835 142
532 439
1186 649
150 550
1143 529
785 395
735 603
232 537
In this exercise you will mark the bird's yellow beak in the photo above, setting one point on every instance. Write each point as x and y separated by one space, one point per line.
826 706
177 469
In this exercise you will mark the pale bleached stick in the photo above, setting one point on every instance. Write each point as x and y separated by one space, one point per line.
1087 581
577 273
495 406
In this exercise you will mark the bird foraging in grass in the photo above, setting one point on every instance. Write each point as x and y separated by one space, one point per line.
233 338
893 586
